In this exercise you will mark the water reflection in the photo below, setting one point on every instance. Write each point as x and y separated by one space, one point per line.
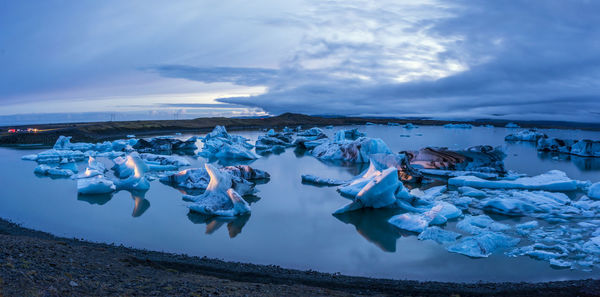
234 224
582 163
98 199
373 225
140 203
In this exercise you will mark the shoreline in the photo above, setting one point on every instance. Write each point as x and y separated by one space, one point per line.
101 131
35 263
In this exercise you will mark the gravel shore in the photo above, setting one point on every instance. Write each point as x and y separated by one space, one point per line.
34 263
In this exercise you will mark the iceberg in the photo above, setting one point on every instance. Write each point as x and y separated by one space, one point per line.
411 222
355 151
438 235
219 144
312 132
198 178
556 145
554 180
165 144
530 135
349 134
409 126
594 191
512 125
273 142
131 171
219 199
95 185
458 126
393 124
376 193
482 245
64 143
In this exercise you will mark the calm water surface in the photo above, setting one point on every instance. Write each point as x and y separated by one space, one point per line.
291 224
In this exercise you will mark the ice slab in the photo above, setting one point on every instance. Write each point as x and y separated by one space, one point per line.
554 180
483 244
95 185
439 235
458 126
530 135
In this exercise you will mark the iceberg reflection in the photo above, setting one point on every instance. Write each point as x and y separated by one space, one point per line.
373 225
213 223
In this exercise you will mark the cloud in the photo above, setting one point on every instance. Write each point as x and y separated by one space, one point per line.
476 59
444 59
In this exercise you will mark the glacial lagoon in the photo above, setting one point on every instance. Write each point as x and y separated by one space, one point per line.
291 223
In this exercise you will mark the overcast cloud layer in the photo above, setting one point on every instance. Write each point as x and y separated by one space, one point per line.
442 59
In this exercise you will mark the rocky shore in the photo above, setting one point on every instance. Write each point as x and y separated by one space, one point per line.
34 263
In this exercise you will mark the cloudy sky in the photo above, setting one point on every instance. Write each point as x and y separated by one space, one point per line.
531 60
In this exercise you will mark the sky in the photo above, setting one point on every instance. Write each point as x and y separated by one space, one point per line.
71 60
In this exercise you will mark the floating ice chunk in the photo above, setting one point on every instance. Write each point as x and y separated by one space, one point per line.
482 245
309 178
409 126
378 192
221 145
512 125
586 148
349 134
430 194
95 185
594 191
558 263
198 178
554 180
329 127
131 171
527 225
32 157
287 130
219 199
312 132
177 161
530 135
44 169
414 222
479 224
458 126
273 142
93 164
64 143
555 145
472 192
393 124
56 156
438 235
356 151
541 251
370 124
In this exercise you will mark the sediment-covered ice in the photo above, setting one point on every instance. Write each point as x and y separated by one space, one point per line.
219 199
484 159
554 180
165 144
530 135
582 148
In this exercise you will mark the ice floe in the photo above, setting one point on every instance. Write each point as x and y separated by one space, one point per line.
438 235
53 171
554 180
594 191
582 148
512 125
458 126
483 244
273 142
